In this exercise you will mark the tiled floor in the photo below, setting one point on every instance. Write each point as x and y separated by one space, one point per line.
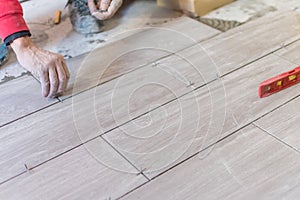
175 115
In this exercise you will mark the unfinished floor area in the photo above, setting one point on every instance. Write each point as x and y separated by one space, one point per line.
167 109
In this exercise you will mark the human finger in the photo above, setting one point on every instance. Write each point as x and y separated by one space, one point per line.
54 83
92 6
104 4
62 78
113 8
44 79
66 69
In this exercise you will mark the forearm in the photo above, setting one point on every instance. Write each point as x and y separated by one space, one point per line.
21 43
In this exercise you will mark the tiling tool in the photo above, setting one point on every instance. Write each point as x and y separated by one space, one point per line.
57 17
3 54
279 82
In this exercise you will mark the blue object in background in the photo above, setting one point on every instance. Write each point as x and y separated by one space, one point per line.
3 53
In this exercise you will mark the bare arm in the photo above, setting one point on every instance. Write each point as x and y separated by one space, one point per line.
49 67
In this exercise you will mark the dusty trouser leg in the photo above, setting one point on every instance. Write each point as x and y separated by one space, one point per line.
81 19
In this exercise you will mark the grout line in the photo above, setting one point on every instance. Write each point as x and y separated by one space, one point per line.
234 132
277 138
35 78
31 113
11 178
160 106
44 162
132 190
144 65
188 158
292 42
175 53
35 111
67 151
284 58
221 139
195 89
116 77
151 111
140 171
279 106
209 146
203 85
263 56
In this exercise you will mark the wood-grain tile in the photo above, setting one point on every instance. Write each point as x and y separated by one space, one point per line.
187 125
290 53
20 97
192 65
136 93
233 49
36 138
132 52
253 40
228 51
283 123
247 165
64 126
61 127
76 175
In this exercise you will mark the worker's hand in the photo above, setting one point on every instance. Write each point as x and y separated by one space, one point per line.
50 68
105 9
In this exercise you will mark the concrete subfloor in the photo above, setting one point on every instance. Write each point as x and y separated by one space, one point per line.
133 16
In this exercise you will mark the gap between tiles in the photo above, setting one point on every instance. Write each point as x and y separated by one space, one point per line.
60 101
278 139
36 111
162 106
